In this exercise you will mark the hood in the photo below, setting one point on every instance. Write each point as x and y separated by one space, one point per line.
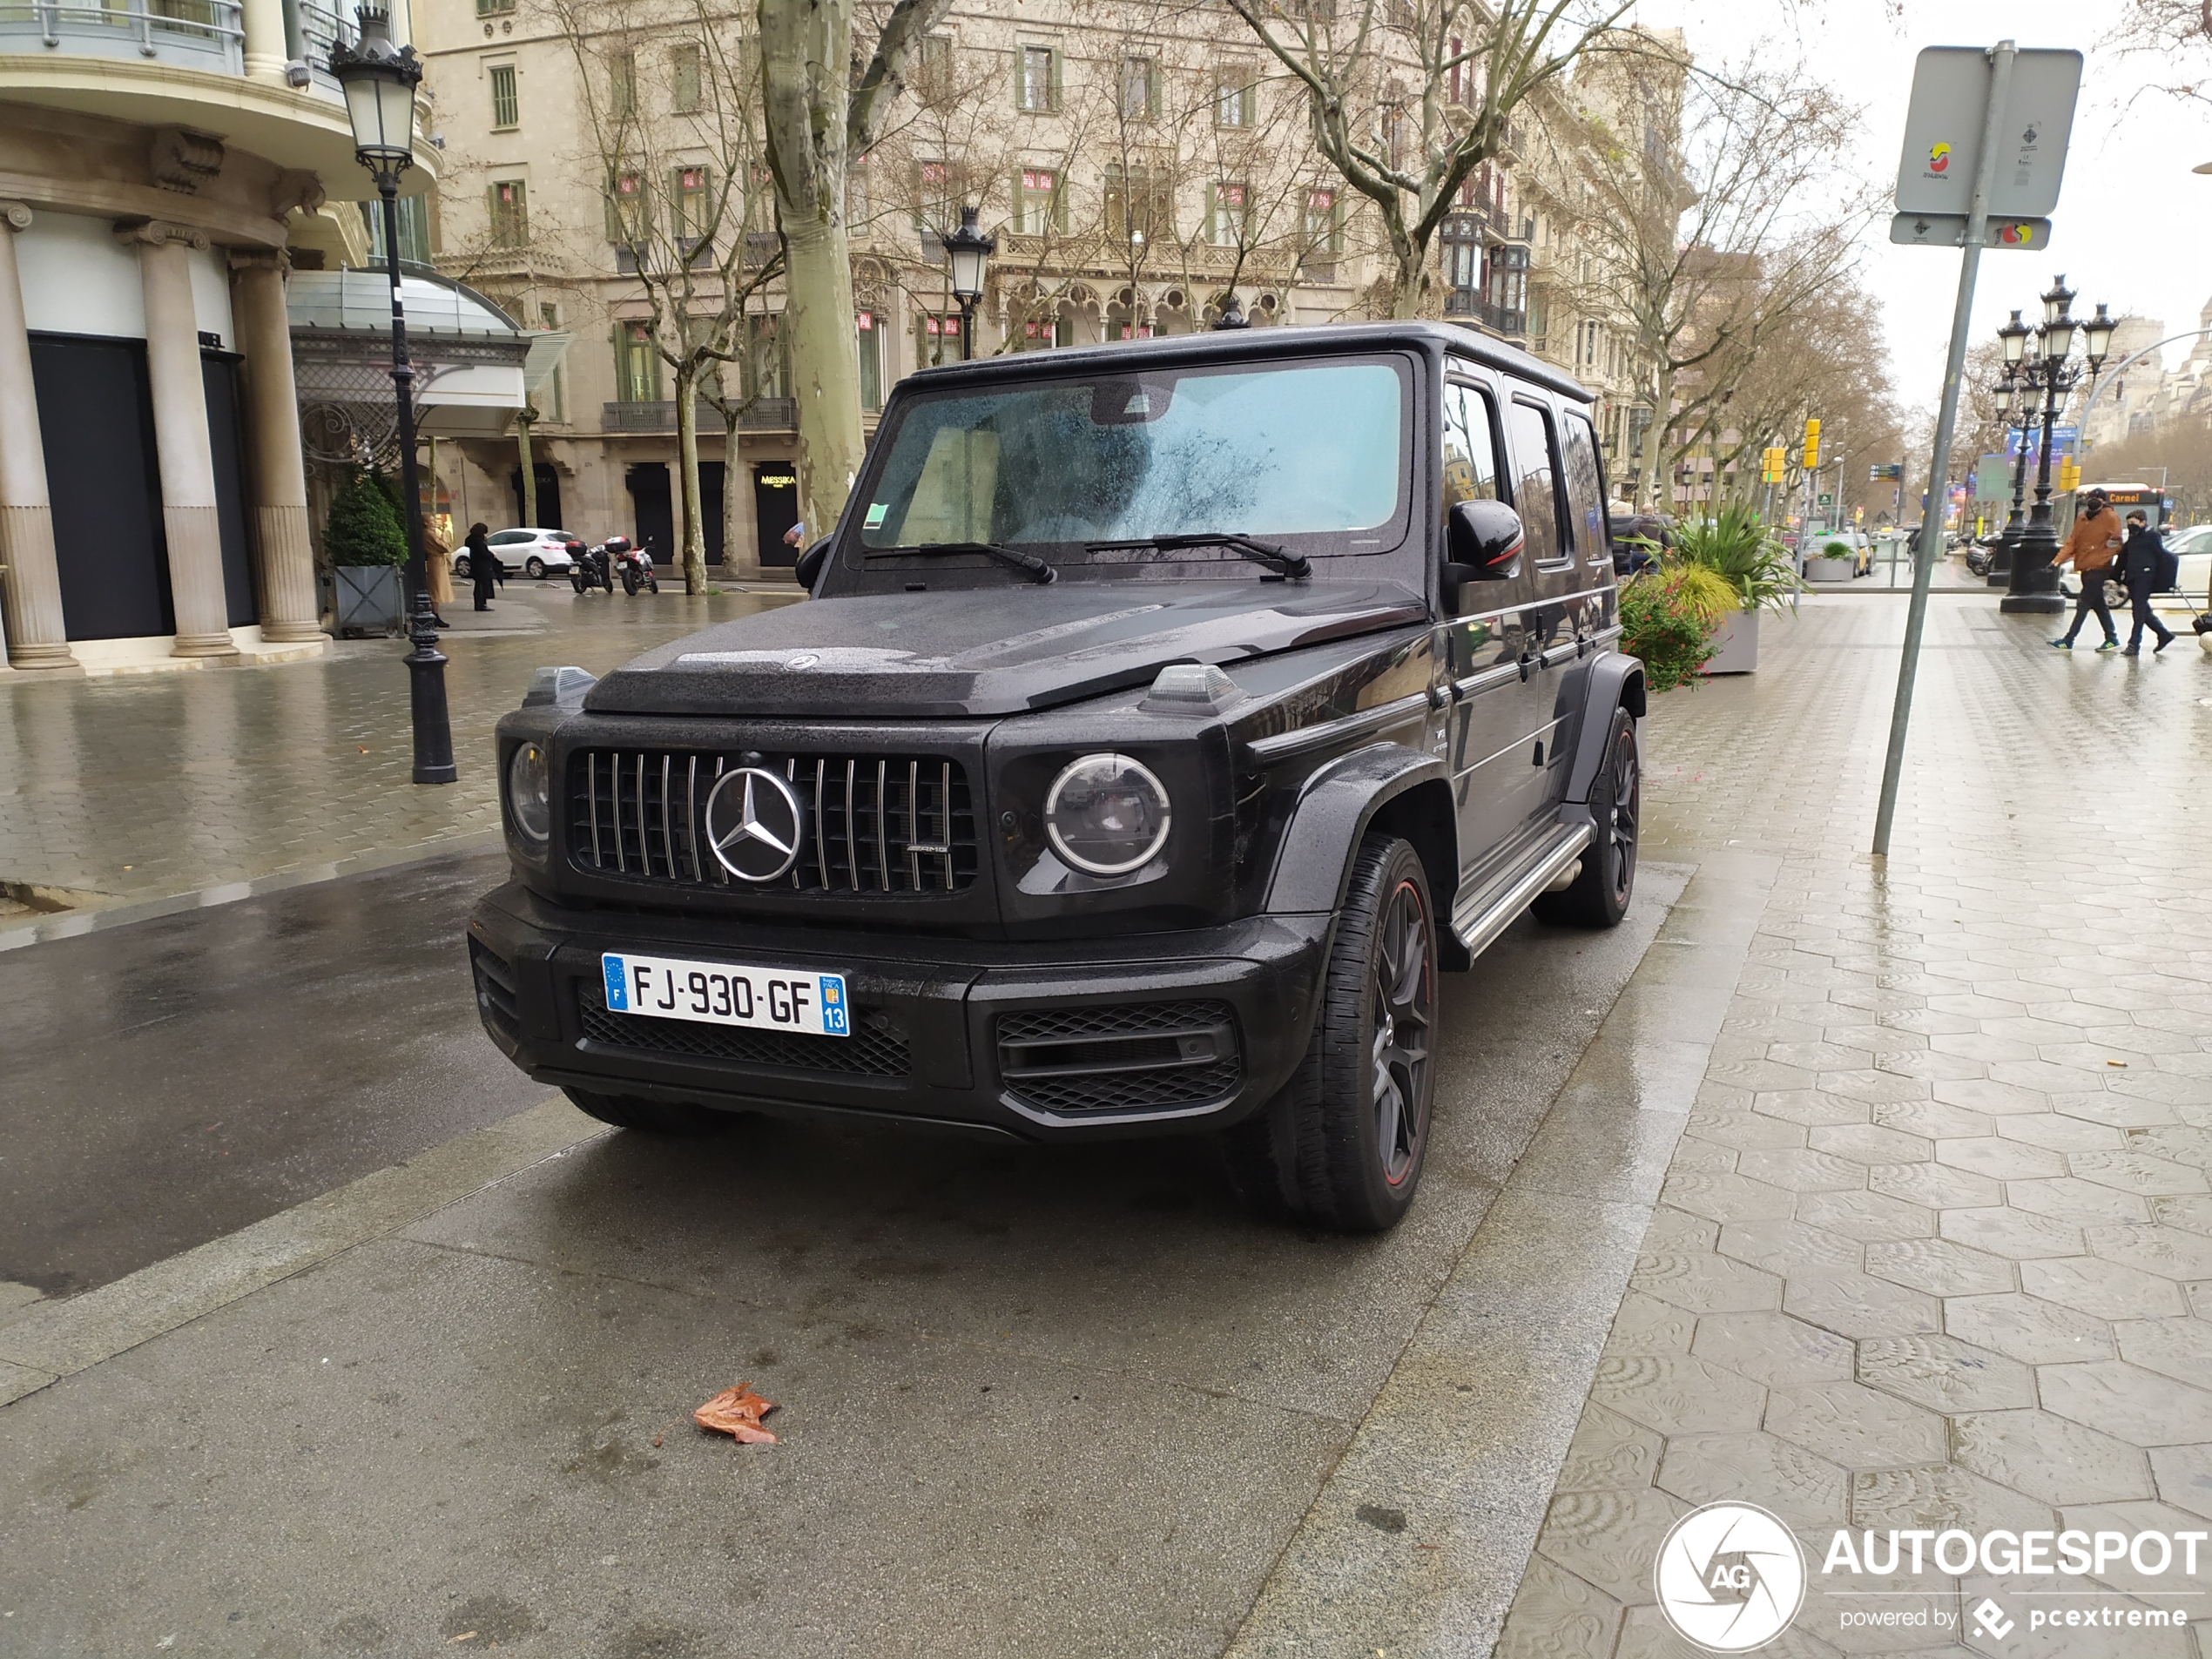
987 652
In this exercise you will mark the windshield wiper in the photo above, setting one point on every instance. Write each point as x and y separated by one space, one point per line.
1036 569
1295 566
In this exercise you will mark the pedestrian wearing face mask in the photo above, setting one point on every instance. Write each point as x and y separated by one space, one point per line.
2147 567
2091 548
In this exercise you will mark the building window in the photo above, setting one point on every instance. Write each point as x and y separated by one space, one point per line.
937 338
1140 88
1324 224
553 390
1037 89
636 364
1236 95
690 192
1139 204
1225 210
506 109
494 7
629 213
934 69
510 213
766 372
1040 205
414 214
622 84
936 204
871 333
683 80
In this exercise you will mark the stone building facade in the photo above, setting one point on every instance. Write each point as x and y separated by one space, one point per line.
163 164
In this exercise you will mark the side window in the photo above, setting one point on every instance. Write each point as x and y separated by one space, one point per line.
1536 455
1585 489
1470 450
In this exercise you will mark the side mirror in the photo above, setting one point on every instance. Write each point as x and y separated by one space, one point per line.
1483 541
810 562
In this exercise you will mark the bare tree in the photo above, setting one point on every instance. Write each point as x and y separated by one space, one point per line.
2177 36
1710 210
671 104
1407 97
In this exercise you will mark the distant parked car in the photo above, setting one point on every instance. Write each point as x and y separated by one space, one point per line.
2194 546
540 552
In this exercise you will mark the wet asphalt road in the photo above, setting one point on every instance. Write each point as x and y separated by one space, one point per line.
168 1081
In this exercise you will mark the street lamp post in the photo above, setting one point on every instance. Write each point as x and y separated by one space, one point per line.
379 82
2016 387
968 254
2035 583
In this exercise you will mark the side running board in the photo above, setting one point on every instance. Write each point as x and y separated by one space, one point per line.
1477 919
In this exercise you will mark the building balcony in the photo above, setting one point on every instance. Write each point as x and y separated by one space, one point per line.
766 414
1467 305
253 76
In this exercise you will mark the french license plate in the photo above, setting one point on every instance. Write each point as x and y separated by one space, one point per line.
719 994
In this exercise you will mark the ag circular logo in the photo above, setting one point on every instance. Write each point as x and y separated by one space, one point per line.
753 824
1730 1577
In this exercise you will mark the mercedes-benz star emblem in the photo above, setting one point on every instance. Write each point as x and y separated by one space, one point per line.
754 824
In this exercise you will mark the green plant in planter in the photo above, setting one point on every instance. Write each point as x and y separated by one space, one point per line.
1734 545
1835 550
1667 619
364 525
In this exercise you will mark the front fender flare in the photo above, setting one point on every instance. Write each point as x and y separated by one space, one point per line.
1314 863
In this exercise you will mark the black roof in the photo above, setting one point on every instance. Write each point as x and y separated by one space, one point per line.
1279 339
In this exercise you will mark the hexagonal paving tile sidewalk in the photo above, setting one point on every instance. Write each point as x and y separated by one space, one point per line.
1936 1248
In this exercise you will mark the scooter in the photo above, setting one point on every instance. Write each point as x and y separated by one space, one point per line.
588 568
634 564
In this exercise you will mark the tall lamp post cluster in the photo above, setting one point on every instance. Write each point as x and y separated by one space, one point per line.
379 82
2040 364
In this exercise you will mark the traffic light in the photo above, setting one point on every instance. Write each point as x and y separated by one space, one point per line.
1774 464
2069 474
1812 445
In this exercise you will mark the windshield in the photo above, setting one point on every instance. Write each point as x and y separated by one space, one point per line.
1313 449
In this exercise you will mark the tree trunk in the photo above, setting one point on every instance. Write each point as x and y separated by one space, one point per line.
806 46
1655 444
687 453
529 465
826 370
736 534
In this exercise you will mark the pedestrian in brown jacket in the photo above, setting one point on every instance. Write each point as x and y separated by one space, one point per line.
2094 545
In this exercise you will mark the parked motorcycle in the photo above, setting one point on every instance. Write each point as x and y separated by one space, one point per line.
634 565
588 568
1980 554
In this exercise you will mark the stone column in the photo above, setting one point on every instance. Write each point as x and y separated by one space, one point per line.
31 591
265 54
289 601
188 512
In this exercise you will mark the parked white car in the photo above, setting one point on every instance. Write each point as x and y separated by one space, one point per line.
2193 545
537 552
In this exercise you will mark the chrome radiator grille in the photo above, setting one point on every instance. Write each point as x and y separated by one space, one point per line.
871 824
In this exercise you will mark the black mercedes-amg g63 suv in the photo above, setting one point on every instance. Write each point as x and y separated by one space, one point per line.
1166 716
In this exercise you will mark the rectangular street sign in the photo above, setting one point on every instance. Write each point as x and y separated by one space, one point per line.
1992 479
1949 230
1943 128
1826 501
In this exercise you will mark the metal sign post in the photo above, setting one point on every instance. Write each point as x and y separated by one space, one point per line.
2015 157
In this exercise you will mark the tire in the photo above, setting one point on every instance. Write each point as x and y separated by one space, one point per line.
652 584
575 578
460 567
1342 1146
1599 896
630 587
533 568
652 1117
2116 596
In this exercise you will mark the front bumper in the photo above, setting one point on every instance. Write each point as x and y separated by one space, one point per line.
1153 1034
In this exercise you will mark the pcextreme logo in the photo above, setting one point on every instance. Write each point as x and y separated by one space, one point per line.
1730 1577
1939 158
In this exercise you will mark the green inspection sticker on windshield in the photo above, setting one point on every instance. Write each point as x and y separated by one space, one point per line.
876 511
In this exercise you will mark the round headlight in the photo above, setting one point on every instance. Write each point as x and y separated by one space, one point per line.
1107 814
529 795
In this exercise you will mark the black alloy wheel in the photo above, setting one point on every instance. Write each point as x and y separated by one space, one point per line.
1342 1145
460 567
533 568
1599 896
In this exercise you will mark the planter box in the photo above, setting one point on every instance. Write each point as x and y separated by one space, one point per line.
1828 570
366 599
1736 641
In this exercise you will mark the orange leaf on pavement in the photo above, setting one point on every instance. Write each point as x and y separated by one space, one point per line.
736 1411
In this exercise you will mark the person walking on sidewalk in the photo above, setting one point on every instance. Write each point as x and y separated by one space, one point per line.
483 565
2147 567
2091 548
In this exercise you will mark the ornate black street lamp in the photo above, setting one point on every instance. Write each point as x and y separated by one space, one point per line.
2015 387
379 82
968 254
2034 584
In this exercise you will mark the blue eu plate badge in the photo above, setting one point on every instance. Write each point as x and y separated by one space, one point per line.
618 983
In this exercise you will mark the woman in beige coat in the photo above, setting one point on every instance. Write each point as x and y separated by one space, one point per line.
437 562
